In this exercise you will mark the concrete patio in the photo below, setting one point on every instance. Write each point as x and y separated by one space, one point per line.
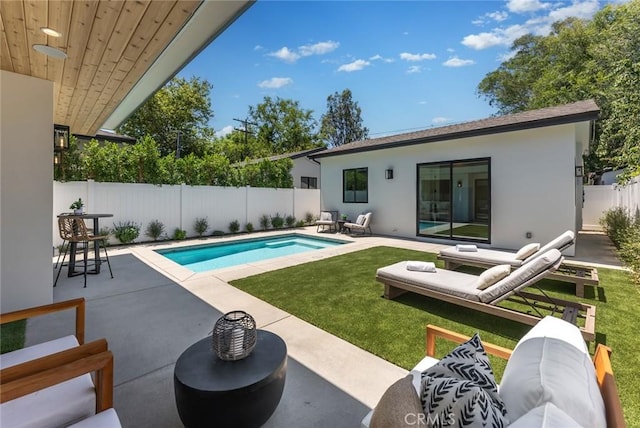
153 310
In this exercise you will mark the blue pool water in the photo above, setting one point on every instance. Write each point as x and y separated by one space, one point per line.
426 224
202 258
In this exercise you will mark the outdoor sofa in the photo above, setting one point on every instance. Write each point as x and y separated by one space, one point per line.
50 384
550 380
362 223
486 291
470 255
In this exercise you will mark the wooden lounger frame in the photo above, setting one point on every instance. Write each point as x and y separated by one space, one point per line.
601 362
577 274
571 310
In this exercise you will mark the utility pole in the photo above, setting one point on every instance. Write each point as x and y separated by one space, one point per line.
178 144
245 131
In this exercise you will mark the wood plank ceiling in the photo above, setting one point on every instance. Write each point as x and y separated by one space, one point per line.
109 47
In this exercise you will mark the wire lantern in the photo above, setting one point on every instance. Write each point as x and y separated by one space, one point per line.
234 336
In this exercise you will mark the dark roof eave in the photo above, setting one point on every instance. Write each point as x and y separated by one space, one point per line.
562 120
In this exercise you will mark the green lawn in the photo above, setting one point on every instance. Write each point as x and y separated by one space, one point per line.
340 295
12 336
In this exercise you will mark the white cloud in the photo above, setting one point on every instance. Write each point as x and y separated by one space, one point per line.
422 102
257 48
320 48
285 54
440 119
378 57
414 69
457 62
538 25
225 131
275 82
356 65
498 16
416 57
451 50
524 6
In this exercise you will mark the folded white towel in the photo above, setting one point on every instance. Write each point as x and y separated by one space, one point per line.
421 266
466 247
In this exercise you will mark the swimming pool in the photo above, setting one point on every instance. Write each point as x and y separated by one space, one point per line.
426 224
202 258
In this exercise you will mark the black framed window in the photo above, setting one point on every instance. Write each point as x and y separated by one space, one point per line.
309 182
355 185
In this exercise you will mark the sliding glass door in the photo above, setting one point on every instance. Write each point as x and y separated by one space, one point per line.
454 200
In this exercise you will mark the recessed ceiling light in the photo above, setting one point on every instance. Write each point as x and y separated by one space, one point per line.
50 51
50 32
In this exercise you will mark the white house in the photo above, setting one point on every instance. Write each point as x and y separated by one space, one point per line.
501 182
86 81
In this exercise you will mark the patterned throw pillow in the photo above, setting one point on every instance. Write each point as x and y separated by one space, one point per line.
462 386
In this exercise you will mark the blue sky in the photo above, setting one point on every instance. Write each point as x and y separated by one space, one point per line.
409 64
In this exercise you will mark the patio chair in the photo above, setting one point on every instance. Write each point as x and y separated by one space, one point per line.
572 272
74 231
363 222
327 218
484 292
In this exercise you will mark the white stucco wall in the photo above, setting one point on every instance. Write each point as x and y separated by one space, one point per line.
304 167
26 196
533 185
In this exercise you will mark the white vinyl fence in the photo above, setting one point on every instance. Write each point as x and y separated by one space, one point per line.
599 199
178 206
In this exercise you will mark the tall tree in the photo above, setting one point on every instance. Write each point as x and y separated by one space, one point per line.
283 126
597 59
342 123
178 113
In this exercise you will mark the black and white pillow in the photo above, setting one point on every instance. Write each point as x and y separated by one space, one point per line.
462 386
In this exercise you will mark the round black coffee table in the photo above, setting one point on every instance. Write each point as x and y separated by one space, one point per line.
211 392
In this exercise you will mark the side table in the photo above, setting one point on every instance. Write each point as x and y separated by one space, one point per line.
341 228
245 393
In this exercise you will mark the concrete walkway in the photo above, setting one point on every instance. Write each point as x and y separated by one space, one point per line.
153 310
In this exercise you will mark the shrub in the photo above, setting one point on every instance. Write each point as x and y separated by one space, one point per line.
624 230
155 229
249 227
201 225
276 221
126 232
290 220
217 233
265 222
300 223
179 234
308 218
234 226
615 223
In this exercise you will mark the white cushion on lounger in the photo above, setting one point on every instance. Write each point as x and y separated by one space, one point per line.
446 281
527 251
505 286
483 255
105 419
567 239
492 275
59 405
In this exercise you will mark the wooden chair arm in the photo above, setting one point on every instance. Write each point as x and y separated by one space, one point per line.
101 363
78 304
608 387
434 332
50 361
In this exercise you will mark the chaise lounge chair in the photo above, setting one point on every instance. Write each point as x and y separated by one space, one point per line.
363 222
327 218
481 257
463 289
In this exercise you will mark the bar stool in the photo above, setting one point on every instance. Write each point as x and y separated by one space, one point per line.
74 231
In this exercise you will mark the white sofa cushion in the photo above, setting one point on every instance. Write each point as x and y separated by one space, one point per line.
59 405
550 370
105 419
545 416
556 328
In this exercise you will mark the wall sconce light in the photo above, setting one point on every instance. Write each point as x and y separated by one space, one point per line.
388 174
459 184
57 158
60 138
579 171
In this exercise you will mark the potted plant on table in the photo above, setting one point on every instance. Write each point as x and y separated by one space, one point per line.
77 206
